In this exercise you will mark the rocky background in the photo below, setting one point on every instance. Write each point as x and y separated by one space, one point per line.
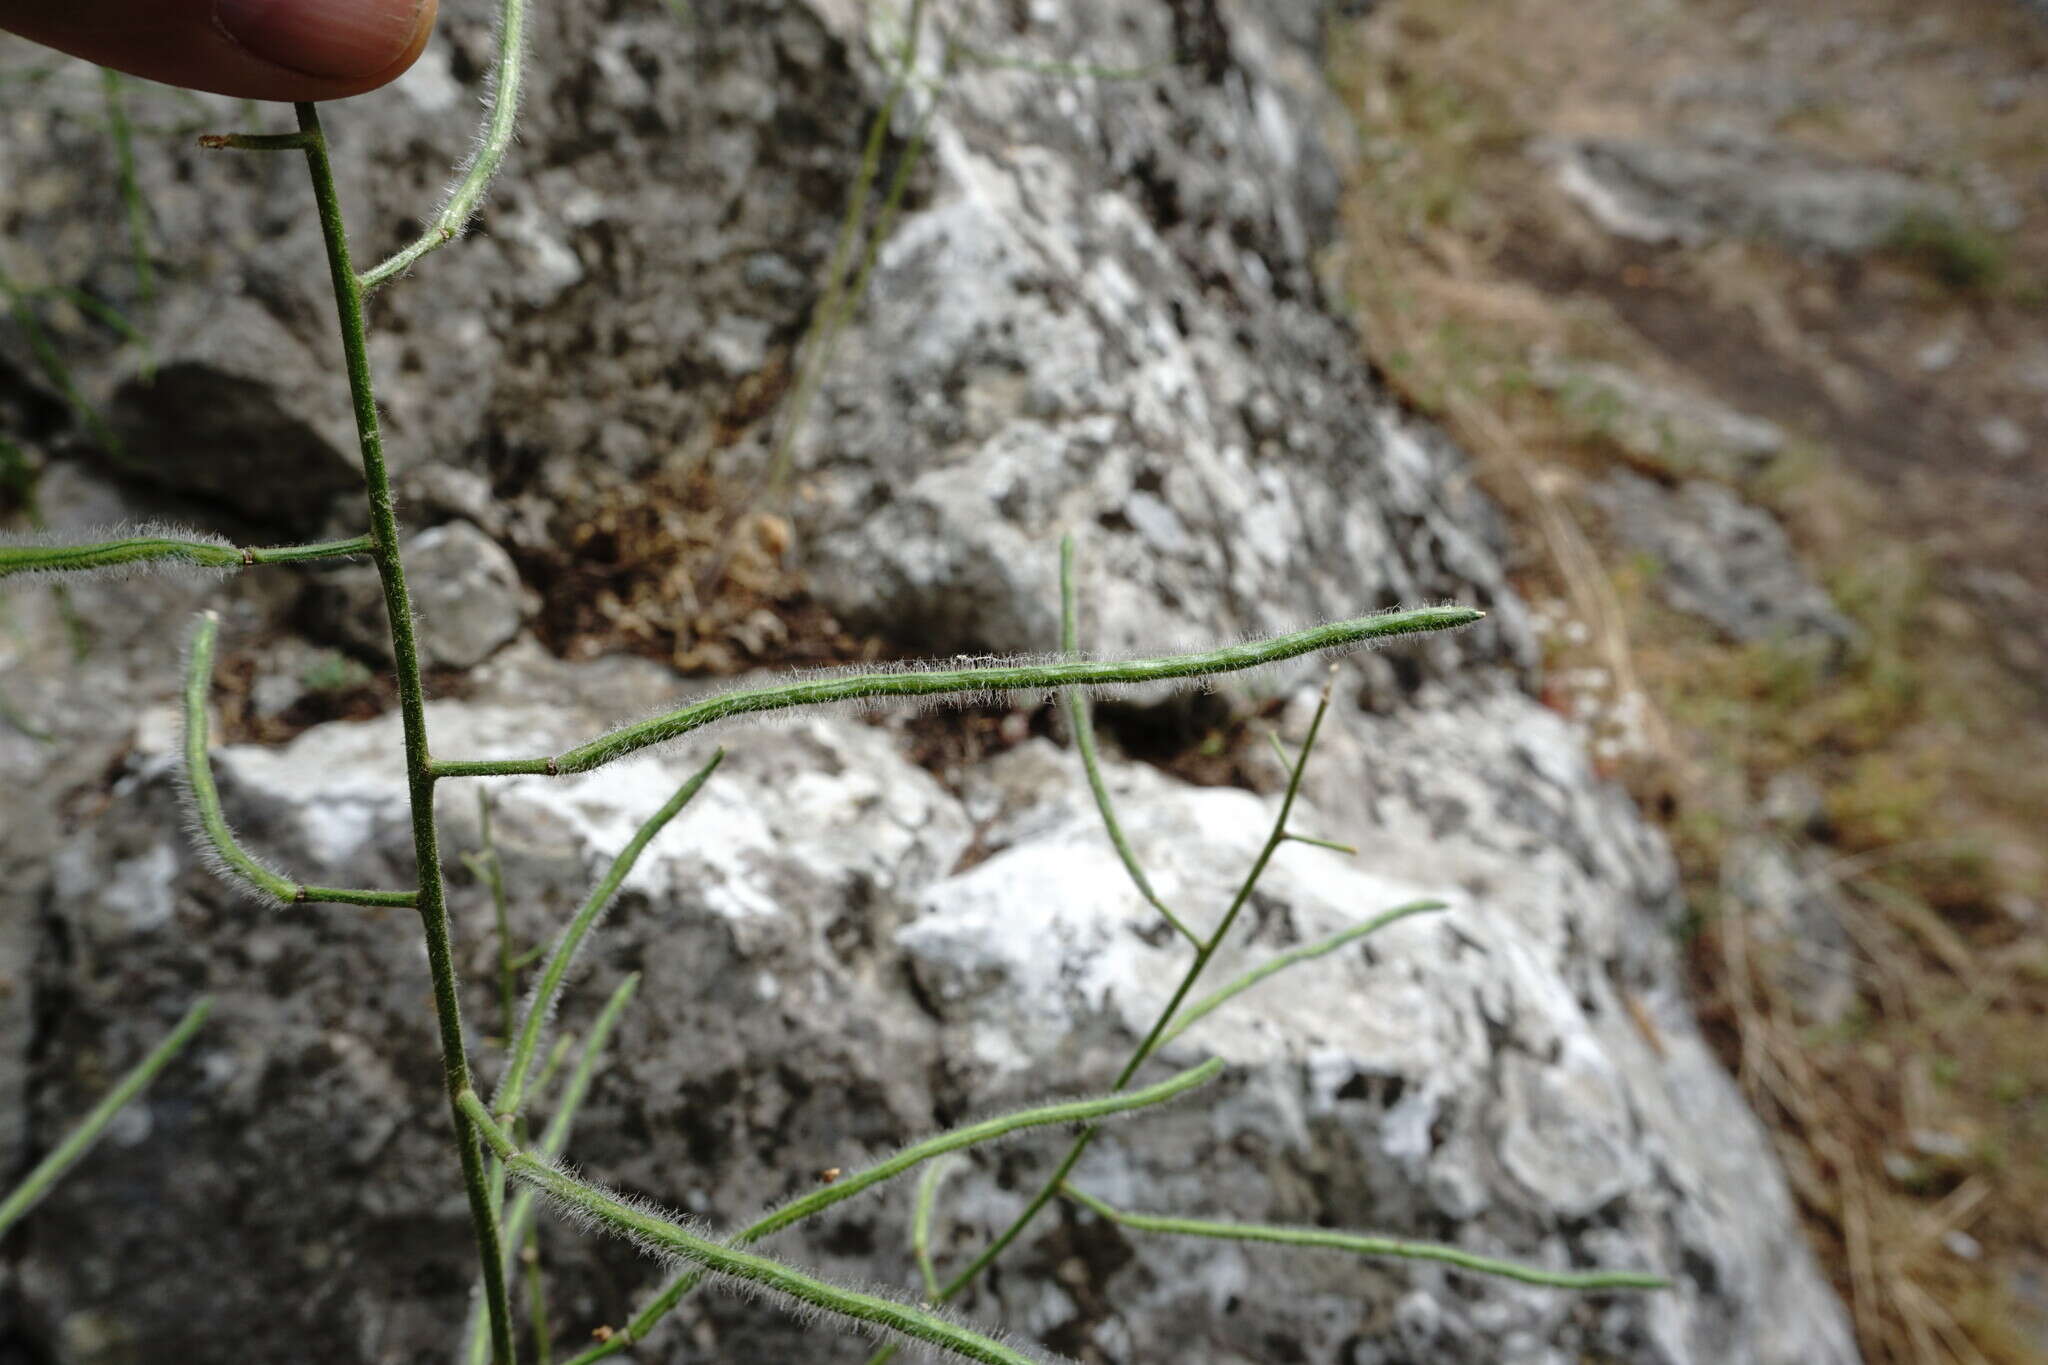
1103 310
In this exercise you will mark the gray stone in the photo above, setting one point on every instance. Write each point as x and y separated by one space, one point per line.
1707 186
1682 432
807 927
1099 312
1793 922
2003 437
1720 558
466 596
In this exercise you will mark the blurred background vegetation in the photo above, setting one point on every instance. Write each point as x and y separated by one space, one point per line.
1740 307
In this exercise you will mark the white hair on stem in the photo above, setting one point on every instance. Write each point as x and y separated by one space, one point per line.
116 550
679 1242
1012 680
205 824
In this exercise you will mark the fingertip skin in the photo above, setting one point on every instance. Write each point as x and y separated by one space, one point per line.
189 42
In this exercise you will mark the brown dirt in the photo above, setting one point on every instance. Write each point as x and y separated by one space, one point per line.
1916 1131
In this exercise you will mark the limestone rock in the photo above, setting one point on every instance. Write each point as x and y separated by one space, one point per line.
1684 433
1794 921
824 977
1691 190
1099 312
1721 558
466 596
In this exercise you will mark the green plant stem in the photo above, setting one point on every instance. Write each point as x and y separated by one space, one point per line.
1050 1189
492 142
1080 713
1025 677
131 190
336 895
662 1237
129 550
80 1139
492 871
432 902
232 859
297 554
953 1140
512 1089
256 142
555 1140
1348 850
536 1299
1371 1246
1281 962
235 861
921 1222
832 307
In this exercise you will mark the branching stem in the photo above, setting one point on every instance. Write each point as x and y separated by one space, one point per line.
231 859
518 1223
432 901
1051 1188
1280 962
512 1089
811 1204
661 1236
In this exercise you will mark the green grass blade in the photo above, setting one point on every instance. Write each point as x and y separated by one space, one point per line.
512 1089
1081 720
1359 1245
80 1139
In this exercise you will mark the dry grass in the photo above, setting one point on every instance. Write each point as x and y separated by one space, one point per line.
1915 1129
662 568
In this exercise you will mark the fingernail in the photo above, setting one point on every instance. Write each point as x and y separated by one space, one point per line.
338 39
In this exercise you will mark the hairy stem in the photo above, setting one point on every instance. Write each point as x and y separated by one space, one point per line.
519 1221
492 142
1024 677
1051 1188
121 553
1081 720
663 1237
953 1140
432 902
1282 961
229 858
234 859
512 1089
